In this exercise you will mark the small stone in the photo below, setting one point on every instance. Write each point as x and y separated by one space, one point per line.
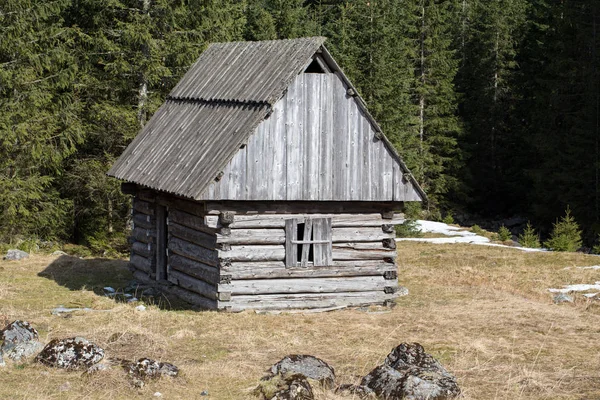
15 255
157 394
149 368
20 340
204 393
141 307
308 366
132 300
70 353
562 298
109 289
58 253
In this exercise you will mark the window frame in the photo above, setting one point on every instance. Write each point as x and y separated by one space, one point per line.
318 229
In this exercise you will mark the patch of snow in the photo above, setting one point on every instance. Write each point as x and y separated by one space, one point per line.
109 289
591 294
592 267
455 235
581 287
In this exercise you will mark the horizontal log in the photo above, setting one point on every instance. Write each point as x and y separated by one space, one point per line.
277 236
199 238
195 285
205 272
298 207
258 221
312 285
144 235
142 263
253 236
192 298
185 295
143 249
305 300
194 252
253 253
360 234
189 220
143 206
143 277
340 254
277 269
362 246
143 221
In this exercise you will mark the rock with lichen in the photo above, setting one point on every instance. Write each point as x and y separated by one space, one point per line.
308 366
286 386
19 340
15 255
408 372
70 353
149 368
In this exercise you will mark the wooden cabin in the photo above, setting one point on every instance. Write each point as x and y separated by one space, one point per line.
264 183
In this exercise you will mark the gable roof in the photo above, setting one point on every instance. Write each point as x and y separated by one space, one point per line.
214 109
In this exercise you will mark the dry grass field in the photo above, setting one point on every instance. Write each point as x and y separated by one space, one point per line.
484 312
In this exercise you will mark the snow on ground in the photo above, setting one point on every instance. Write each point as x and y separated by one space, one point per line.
581 287
455 235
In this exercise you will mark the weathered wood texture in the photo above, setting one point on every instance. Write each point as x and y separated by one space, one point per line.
304 300
193 251
143 236
277 269
313 285
264 221
317 144
185 295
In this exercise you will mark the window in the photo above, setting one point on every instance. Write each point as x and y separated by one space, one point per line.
307 242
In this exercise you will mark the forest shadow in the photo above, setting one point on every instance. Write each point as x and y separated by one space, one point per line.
96 274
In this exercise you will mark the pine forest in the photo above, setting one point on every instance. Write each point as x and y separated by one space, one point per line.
494 104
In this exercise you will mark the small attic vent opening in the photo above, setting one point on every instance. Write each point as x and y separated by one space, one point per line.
314 68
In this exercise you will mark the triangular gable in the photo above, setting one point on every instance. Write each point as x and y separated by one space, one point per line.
317 145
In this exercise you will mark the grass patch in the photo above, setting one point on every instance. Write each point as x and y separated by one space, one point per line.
484 312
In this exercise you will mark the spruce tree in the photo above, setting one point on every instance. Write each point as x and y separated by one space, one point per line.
39 122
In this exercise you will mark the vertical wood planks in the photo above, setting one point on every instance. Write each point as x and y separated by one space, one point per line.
317 144
308 228
291 250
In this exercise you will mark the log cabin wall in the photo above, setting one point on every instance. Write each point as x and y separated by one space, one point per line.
232 256
254 273
173 248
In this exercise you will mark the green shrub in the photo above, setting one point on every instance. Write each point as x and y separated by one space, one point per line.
476 229
529 238
409 228
448 219
565 235
504 234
